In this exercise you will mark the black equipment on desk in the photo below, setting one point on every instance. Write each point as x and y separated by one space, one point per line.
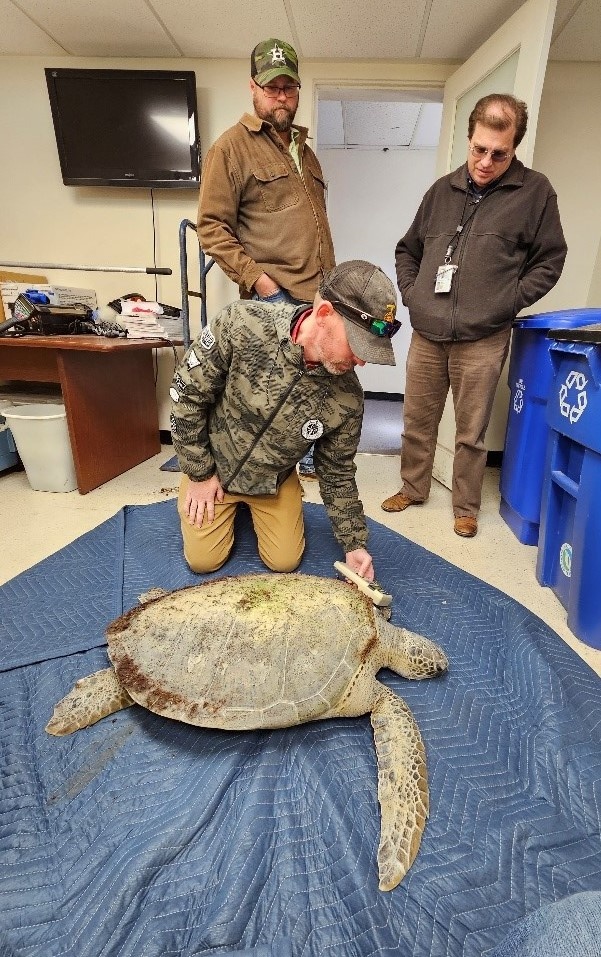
37 319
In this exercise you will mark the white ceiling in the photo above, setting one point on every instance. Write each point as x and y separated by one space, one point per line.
359 124
318 29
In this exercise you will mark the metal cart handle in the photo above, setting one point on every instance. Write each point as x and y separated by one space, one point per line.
205 264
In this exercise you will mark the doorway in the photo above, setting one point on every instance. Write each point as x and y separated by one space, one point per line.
378 149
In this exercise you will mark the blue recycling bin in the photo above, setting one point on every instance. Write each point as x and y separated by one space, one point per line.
8 449
530 378
569 553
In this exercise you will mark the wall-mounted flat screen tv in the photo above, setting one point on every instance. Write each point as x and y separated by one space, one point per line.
126 127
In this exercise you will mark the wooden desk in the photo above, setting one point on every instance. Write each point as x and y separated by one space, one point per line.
109 394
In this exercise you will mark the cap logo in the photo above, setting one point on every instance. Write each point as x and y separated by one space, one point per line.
390 312
277 55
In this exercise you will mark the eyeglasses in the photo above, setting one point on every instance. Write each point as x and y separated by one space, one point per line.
378 327
496 156
273 92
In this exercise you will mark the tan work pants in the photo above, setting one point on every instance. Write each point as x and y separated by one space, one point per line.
277 521
472 371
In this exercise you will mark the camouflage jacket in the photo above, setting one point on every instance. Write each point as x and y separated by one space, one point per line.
244 406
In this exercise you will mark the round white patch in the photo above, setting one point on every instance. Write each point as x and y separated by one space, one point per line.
312 429
174 394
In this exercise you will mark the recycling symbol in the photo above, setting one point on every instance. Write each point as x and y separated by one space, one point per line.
575 381
518 397
565 559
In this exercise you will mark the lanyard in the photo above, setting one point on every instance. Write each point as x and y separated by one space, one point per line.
455 240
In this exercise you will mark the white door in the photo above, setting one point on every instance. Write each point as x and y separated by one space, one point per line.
512 60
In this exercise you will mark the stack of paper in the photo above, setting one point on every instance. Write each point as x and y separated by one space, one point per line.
141 319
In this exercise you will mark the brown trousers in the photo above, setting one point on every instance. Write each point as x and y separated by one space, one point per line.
277 521
472 371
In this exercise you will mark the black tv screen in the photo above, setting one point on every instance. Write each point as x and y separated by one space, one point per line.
125 127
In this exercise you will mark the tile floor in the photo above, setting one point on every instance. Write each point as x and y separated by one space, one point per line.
36 524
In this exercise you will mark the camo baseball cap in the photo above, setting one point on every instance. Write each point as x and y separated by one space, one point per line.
365 298
272 58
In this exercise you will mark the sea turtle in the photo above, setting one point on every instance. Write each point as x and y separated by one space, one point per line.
272 651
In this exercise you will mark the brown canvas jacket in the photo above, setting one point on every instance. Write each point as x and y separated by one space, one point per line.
510 253
258 214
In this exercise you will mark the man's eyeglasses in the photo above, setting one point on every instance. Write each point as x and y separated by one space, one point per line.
378 327
497 156
290 90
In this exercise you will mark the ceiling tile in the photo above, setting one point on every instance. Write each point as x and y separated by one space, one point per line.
319 29
414 94
102 27
456 30
382 29
330 130
20 35
222 28
427 132
380 124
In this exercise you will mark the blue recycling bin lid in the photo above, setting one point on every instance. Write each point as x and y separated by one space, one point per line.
586 334
562 319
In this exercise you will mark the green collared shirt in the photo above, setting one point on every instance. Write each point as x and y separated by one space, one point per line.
294 151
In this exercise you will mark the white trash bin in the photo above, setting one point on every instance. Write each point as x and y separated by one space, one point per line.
42 439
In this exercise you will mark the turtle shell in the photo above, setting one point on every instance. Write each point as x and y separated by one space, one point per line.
253 651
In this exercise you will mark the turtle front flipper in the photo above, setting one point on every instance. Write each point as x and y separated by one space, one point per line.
402 786
90 699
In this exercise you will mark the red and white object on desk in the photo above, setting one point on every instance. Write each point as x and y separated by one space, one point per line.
140 318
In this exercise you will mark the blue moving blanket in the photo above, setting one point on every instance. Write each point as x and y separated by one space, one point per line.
143 837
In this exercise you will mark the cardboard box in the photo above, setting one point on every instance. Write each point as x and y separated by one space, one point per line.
57 295
6 276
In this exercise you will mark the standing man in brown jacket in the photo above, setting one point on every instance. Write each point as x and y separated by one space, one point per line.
486 242
262 212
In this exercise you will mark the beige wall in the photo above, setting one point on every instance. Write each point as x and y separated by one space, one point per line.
567 150
594 294
45 221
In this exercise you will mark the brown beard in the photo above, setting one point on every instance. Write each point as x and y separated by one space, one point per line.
281 122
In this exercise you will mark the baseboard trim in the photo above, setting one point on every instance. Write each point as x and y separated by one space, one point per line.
385 396
494 459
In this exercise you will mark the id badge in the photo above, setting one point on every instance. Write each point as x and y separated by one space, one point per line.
444 278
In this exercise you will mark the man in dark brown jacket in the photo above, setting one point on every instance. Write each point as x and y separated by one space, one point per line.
486 242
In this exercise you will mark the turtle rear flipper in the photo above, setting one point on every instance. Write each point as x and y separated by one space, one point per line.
402 787
89 700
